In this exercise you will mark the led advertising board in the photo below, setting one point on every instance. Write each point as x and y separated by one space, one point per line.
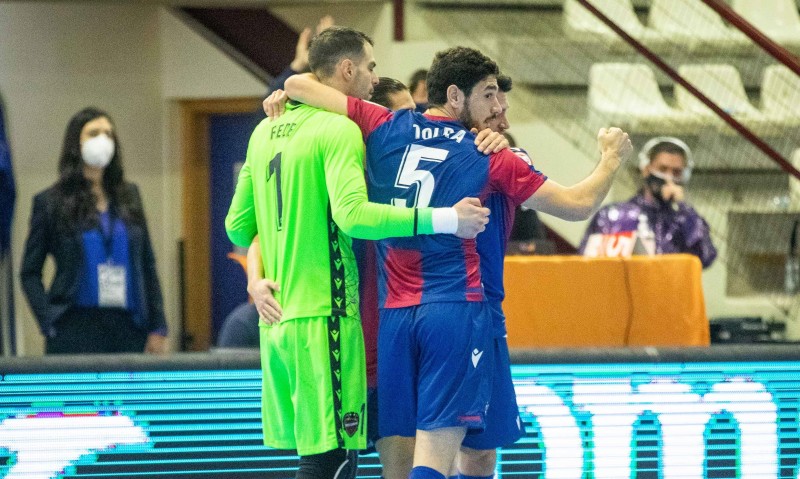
606 420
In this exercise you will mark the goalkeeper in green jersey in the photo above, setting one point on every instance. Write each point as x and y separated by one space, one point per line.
302 190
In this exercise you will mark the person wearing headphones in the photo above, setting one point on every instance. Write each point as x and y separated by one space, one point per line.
666 165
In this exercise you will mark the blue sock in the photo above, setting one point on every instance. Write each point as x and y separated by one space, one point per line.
422 472
462 476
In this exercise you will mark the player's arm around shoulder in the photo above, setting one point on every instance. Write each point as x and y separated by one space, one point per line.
343 157
306 88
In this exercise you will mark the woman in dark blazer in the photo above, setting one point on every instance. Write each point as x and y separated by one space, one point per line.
105 296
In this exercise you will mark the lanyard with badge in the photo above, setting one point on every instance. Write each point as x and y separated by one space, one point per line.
111 278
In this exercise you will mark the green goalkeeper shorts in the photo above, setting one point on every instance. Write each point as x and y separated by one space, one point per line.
314 388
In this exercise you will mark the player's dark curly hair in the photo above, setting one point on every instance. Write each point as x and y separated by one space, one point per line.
460 66
385 87
504 83
416 77
332 45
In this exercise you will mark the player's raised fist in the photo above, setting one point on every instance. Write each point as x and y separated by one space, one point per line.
614 141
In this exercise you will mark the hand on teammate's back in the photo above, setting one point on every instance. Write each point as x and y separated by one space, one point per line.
488 141
275 104
472 217
614 141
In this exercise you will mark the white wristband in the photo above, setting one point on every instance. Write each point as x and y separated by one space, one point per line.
445 221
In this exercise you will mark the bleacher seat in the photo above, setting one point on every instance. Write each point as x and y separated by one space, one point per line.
722 85
627 95
780 95
778 19
581 25
697 26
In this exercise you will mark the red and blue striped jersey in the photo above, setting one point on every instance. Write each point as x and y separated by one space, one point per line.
414 160
492 242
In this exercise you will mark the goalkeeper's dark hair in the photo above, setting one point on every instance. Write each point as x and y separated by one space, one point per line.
332 45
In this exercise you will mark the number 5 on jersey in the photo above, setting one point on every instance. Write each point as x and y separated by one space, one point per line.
408 174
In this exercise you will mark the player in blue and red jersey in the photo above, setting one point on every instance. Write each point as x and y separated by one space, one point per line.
435 327
478 455
434 360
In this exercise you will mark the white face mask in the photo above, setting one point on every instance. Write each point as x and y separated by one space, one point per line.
97 151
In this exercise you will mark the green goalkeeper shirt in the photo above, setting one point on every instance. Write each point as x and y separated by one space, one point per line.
302 190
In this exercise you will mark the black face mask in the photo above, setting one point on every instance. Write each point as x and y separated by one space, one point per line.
655 184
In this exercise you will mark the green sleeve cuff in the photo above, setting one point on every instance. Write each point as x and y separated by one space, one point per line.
425 221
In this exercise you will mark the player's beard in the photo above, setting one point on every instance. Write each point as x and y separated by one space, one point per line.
466 116
362 87
467 119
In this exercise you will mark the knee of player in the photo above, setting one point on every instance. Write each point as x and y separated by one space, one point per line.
477 459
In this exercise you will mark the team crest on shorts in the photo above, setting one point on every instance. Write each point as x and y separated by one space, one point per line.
351 422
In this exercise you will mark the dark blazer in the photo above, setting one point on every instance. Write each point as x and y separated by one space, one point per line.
44 238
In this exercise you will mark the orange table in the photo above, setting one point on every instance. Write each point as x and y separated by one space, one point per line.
558 301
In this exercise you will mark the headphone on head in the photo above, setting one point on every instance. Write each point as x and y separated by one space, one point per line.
644 154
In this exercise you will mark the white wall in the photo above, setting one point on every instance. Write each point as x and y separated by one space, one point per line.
133 60
191 67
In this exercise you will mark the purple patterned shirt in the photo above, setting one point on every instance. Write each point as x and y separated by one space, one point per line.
681 231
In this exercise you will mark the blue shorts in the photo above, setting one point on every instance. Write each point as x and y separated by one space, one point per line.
503 424
434 367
